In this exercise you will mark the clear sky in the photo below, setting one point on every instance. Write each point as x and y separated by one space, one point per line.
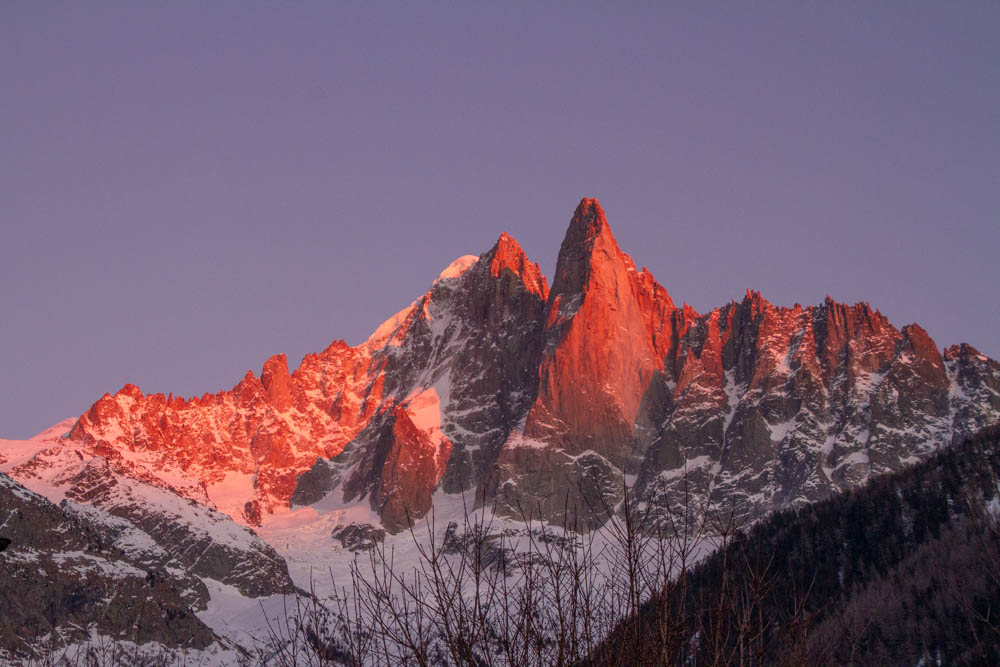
189 188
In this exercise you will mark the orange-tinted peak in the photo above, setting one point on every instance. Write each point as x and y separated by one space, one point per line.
919 340
276 381
589 203
248 379
588 219
274 364
756 300
960 351
506 245
130 390
588 243
507 253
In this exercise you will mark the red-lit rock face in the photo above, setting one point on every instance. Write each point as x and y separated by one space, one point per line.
507 255
606 329
272 428
598 355
410 473
541 399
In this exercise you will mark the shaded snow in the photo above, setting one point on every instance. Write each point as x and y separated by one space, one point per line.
56 431
458 267
231 493
382 334
781 430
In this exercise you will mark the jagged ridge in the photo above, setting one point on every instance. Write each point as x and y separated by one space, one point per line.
546 399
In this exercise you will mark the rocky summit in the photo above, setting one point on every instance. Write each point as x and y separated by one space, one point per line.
544 401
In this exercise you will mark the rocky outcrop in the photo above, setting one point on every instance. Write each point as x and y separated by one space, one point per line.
358 536
400 471
975 388
64 579
795 404
153 524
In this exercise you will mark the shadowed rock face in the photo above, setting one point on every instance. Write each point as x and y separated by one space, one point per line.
777 406
545 400
188 538
358 537
62 573
459 377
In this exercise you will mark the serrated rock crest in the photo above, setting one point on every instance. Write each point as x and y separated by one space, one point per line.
547 399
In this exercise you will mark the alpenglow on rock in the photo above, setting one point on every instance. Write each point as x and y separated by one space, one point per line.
542 401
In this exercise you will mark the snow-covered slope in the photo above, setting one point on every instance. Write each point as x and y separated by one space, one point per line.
130 556
64 581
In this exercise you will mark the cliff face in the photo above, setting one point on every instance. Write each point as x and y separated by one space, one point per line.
545 400
607 330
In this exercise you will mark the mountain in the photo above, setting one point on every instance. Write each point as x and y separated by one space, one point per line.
546 399
489 391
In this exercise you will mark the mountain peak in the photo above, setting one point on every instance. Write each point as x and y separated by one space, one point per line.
507 253
588 243
588 221
506 250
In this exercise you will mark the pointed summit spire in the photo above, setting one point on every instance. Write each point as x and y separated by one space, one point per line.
588 241
602 315
587 224
589 212
507 253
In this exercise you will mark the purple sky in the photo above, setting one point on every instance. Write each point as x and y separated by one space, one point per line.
186 190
